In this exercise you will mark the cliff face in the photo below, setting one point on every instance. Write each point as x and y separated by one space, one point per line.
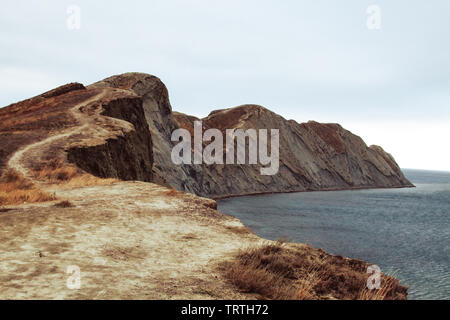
161 124
127 156
121 127
101 130
313 156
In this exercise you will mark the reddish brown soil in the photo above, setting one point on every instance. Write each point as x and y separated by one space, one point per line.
33 120
329 133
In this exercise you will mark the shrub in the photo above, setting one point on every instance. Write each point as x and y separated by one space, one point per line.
55 171
64 204
15 189
277 271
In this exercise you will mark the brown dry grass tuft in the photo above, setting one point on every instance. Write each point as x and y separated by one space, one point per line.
172 193
277 271
64 204
189 236
388 283
86 180
15 189
263 270
238 230
305 286
57 172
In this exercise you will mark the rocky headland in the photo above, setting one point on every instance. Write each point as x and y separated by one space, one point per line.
87 180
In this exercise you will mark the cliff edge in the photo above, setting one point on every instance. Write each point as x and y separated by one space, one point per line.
313 156
64 203
124 130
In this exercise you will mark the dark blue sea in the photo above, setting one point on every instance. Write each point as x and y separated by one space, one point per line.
406 232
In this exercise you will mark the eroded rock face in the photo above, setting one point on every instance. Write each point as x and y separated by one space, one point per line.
159 117
128 156
125 132
313 156
101 130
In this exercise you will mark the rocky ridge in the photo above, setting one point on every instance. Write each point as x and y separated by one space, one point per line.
126 134
58 213
313 156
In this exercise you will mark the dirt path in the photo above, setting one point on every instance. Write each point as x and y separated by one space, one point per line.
17 161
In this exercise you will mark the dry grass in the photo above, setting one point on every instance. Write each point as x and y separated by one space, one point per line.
305 286
57 172
64 204
172 193
264 271
238 230
388 283
15 189
86 180
190 236
277 271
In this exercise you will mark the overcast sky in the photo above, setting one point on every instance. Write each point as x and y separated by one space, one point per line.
305 60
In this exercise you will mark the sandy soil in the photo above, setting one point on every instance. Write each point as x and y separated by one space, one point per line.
146 244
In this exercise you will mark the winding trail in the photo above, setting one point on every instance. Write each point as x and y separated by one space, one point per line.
176 246
16 162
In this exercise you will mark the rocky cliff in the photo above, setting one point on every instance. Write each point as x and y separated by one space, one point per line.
313 156
53 213
101 130
124 126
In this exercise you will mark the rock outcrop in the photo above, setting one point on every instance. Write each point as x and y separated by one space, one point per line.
313 156
128 136
101 130
53 213
128 156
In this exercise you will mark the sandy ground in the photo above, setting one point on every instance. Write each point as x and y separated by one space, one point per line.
130 240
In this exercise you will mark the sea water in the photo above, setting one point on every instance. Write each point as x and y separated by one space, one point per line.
406 232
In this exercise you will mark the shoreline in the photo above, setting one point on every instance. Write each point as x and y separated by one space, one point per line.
325 212
191 236
301 191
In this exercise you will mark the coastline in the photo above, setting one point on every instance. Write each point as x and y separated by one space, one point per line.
184 244
300 191
401 230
